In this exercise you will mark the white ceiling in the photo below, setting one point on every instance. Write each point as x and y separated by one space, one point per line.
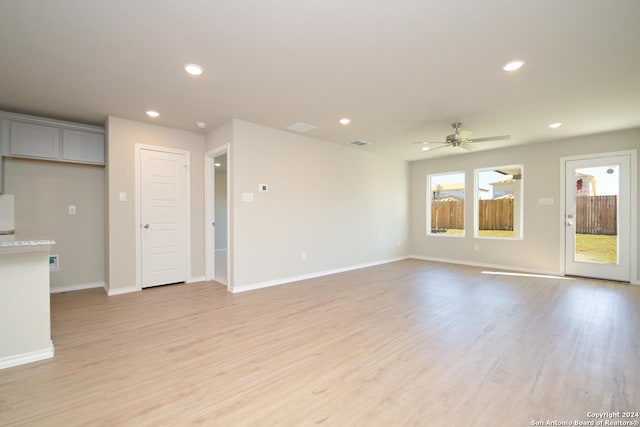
403 71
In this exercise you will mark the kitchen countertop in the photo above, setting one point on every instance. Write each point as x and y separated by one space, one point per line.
25 246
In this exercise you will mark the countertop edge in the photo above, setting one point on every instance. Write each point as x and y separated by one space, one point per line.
26 246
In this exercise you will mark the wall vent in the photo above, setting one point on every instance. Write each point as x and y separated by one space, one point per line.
359 143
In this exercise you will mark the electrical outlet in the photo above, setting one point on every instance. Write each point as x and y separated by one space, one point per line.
72 209
476 247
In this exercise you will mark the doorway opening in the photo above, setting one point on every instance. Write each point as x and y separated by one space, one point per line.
217 216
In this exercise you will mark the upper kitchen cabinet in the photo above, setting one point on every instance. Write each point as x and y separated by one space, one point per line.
82 146
46 139
37 141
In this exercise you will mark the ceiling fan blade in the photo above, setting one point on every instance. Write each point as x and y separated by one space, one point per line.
465 134
437 148
490 138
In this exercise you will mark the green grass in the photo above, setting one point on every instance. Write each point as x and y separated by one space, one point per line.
496 233
482 233
452 232
596 248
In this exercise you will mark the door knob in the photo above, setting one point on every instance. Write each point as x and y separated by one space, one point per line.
146 226
569 223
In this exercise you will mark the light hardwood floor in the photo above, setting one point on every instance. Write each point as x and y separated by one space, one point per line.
406 343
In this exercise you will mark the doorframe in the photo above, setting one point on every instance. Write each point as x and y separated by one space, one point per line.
209 214
633 229
138 201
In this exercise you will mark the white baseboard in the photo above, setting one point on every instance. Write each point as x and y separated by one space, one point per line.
196 279
80 287
276 282
119 291
32 356
487 265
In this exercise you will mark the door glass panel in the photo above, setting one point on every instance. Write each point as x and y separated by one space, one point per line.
596 219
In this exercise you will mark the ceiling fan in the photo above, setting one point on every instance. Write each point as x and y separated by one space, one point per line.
462 139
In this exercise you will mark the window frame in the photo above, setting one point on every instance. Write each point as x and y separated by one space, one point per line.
429 194
516 210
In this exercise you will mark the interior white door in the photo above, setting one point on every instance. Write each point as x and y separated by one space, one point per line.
598 217
163 214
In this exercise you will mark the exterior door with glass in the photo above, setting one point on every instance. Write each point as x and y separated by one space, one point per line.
597 217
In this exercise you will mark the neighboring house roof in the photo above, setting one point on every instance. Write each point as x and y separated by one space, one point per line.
452 186
505 181
448 186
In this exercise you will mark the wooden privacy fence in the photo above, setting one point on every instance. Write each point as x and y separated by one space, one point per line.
494 214
597 215
447 213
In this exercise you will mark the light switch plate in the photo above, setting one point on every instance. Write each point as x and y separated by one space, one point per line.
545 201
72 209
263 188
247 197
122 196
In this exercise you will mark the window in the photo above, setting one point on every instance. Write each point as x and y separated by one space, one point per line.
498 207
445 204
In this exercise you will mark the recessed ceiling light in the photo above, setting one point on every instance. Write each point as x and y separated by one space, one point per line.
152 113
426 148
555 125
201 125
193 69
514 65
217 165
345 121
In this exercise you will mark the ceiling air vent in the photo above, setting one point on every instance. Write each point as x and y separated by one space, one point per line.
359 143
301 127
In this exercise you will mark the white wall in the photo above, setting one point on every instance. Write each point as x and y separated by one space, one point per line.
43 191
122 136
540 248
341 206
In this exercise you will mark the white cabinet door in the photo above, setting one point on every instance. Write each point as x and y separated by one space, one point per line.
81 146
31 140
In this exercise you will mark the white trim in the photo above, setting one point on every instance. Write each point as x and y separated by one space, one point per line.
286 280
487 265
209 176
120 291
633 206
187 154
196 279
78 287
32 356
